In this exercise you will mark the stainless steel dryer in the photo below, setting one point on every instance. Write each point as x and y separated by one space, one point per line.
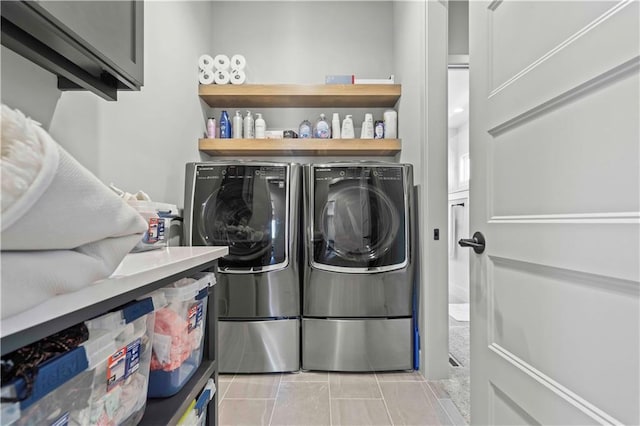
358 276
252 207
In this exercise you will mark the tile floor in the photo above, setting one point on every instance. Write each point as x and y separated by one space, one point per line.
334 399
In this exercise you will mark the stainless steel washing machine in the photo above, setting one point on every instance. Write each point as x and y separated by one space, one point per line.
359 269
253 208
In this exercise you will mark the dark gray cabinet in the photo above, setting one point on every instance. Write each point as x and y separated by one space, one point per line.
90 45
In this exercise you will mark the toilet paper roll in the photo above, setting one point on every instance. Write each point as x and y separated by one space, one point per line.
238 76
221 77
205 62
206 77
221 62
238 62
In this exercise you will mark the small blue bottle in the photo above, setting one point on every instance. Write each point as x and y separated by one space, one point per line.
225 126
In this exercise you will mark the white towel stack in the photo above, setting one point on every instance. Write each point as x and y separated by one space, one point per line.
62 228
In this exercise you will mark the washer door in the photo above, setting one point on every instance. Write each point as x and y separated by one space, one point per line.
359 220
248 212
240 218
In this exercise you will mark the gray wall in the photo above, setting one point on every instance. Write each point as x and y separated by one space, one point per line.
301 42
409 58
458 27
143 140
420 27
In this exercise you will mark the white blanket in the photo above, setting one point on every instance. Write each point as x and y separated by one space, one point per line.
65 206
62 228
32 277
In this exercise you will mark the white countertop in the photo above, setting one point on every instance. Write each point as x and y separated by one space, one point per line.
136 270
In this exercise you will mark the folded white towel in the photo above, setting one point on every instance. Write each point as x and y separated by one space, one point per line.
49 200
28 164
32 277
62 228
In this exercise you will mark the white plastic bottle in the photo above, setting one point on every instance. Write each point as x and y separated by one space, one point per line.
211 128
261 127
367 127
236 126
335 126
248 126
347 128
390 124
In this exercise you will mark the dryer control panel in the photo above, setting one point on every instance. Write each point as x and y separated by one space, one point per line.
356 173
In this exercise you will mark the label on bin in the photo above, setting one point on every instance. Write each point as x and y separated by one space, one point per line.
196 312
123 363
155 232
62 421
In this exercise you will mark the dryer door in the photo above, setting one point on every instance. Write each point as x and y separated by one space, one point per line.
246 208
359 222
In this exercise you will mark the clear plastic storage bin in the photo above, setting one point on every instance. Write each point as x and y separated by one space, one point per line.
120 382
179 335
74 388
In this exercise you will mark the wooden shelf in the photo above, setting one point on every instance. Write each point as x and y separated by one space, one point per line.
295 95
359 147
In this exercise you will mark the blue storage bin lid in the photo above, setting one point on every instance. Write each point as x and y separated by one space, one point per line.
51 375
202 294
203 400
205 396
137 309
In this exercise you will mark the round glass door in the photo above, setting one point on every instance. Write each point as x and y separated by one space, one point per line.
359 222
239 216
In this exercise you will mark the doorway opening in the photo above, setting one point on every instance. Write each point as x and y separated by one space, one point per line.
458 384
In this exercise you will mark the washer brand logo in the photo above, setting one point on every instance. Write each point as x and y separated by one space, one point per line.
323 170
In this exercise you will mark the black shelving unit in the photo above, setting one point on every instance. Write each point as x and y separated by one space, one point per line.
165 411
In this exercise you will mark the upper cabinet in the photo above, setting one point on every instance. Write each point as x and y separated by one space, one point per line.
90 45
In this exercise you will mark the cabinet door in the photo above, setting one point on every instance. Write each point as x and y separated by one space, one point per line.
111 30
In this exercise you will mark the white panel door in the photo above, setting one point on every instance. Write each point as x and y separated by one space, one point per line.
555 178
